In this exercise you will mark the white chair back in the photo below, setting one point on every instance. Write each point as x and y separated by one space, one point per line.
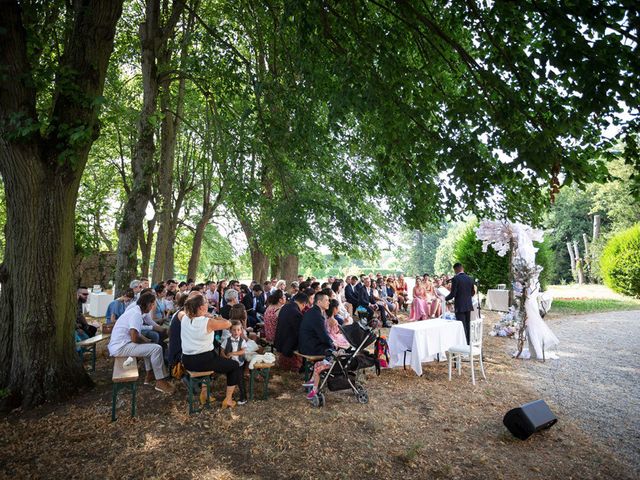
475 335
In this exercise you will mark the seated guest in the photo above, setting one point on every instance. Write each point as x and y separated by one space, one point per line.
333 327
313 338
127 341
159 314
350 293
210 294
83 328
310 293
118 306
279 285
230 299
419 308
175 343
367 299
274 303
222 287
401 291
169 301
136 286
288 331
198 354
234 348
259 304
293 289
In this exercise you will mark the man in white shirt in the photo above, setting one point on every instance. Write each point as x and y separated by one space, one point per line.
211 294
127 341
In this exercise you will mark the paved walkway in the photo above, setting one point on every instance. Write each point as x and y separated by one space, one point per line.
596 381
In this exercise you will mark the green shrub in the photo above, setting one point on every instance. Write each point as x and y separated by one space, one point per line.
489 268
620 262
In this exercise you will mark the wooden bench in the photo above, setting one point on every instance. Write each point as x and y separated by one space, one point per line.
308 361
90 344
196 380
260 370
123 377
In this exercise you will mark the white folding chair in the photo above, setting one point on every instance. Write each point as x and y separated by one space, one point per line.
474 348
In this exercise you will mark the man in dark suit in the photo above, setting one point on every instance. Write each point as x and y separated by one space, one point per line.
462 291
350 292
313 338
367 300
288 326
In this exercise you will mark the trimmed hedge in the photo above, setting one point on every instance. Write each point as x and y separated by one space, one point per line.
620 262
489 268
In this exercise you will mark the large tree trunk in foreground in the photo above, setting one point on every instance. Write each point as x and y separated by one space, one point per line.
41 174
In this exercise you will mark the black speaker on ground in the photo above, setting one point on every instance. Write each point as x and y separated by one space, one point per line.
528 419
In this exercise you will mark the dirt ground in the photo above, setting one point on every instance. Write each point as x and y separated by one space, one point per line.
413 427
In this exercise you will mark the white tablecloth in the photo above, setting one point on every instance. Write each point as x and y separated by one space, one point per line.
98 303
498 300
425 339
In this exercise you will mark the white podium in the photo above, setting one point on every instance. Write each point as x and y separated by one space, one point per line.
98 303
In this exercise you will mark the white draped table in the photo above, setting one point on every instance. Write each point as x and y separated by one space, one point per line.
497 300
98 303
426 339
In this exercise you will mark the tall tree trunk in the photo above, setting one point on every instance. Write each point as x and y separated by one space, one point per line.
596 227
146 242
572 258
163 265
142 161
259 263
153 41
196 247
290 264
41 174
259 260
275 267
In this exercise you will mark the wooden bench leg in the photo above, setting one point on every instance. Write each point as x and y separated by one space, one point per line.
114 398
93 358
197 383
264 373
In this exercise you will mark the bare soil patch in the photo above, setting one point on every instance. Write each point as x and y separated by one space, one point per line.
413 427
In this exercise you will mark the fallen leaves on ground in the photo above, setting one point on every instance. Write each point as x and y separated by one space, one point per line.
412 427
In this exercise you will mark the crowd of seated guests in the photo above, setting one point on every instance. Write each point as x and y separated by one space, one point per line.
216 325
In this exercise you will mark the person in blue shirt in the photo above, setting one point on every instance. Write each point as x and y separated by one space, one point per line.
118 306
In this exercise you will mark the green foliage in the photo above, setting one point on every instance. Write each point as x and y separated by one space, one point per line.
445 258
620 262
572 216
488 267
421 256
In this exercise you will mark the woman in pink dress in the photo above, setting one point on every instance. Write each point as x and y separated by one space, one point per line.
332 326
432 300
419 308
275 302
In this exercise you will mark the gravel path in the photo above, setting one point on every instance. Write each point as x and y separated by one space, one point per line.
596 381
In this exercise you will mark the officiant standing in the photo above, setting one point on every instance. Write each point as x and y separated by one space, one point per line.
462 291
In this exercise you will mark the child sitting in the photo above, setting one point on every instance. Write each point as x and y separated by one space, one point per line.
233 347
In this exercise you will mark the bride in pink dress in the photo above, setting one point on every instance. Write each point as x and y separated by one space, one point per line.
420 307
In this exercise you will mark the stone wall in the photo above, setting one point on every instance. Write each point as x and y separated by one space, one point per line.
96 269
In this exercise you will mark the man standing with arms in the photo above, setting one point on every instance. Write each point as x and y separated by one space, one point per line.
462 291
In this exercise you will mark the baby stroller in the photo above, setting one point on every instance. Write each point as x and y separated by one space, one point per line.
343 372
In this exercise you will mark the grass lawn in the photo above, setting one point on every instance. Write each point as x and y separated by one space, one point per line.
568 306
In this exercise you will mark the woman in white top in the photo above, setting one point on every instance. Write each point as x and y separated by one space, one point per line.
198 354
